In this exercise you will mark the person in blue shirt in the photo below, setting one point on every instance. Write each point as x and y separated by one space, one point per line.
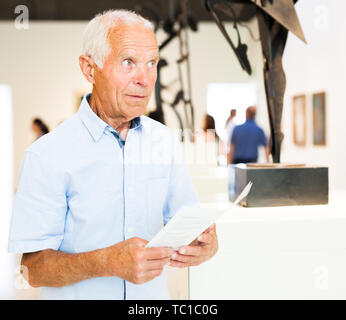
246 139
96 189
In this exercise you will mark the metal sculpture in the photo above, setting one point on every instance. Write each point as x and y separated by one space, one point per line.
275 19
175 27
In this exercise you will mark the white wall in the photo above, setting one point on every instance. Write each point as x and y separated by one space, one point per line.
212 60
41 66
7 261
318 66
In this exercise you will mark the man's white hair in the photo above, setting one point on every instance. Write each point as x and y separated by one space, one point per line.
95 39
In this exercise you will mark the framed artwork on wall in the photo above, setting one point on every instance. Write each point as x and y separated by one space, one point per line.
299 120
319 118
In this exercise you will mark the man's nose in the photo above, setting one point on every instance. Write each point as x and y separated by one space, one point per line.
142 77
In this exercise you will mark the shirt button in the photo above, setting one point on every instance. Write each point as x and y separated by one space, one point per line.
129 229
129 189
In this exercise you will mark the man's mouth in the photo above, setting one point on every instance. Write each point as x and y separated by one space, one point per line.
136 96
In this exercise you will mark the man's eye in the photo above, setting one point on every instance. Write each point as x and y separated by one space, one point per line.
151 64
127 63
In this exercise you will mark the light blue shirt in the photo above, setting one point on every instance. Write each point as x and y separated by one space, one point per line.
81 188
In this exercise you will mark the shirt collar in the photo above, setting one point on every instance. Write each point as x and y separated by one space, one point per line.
95 125
136 122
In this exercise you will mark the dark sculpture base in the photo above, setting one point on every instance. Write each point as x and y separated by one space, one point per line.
279 185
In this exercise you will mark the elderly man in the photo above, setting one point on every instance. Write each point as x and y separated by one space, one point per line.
93 191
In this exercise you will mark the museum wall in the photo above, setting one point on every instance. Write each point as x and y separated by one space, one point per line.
41 66
318 66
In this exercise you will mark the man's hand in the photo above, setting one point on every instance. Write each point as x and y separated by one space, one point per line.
201 249
131 261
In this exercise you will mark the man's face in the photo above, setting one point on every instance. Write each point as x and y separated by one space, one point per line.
126 81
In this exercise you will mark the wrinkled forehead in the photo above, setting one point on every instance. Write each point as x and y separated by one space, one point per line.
132 37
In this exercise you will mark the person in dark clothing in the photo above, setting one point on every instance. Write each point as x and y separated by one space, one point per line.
209 129
39 127
246 139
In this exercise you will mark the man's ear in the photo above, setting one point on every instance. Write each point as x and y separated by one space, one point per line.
87 66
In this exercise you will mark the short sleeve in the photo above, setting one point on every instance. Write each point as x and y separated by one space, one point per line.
180 191
39 210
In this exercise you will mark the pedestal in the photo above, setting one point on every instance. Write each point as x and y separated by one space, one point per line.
277 253
279 185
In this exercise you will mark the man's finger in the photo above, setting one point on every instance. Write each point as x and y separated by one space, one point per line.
194 243
157 253
196 251
178 264
189 260
213 226
206 237
155 264
210 228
